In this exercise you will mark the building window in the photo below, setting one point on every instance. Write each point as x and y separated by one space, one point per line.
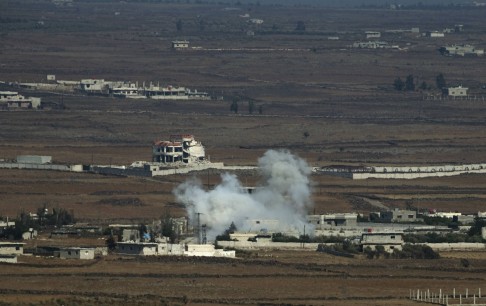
410 216
17 248
392 237
392 247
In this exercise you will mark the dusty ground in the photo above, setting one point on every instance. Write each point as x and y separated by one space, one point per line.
282 277
341 98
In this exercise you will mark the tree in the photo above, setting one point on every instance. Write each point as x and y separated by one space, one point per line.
226 235
251 106
409 83
300 26
234 105
476 228
440 81
168 228
423 86
398 84
111 243
179 25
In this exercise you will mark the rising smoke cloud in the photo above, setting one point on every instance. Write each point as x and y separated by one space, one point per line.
284 195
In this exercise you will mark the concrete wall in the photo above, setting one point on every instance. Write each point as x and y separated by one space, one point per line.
35 166
460 246
414 175
268 245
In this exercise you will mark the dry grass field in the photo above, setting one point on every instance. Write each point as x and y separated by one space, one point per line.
341 98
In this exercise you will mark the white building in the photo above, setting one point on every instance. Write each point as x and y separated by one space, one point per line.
398 215
11 248
180 44
12 100
8 258
389 241
77 253
372 34
206 250
180 148
94 86
333 220
256 21
435 34
458 91
34 159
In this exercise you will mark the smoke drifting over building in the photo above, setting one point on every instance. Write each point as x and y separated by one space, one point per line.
284 195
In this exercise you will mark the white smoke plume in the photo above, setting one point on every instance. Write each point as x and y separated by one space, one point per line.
284 195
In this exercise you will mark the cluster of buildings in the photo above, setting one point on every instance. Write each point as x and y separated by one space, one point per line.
134 91
121 89
461 50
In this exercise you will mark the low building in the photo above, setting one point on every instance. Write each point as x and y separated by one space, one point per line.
14 100
434 34
77 253
398 215
33 159
180 44
11 248
333 220
138 248
8 258
372 34
94 86
206 250
389 241
458 91
131 234
256 21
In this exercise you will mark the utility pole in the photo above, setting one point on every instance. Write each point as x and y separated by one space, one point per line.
198 227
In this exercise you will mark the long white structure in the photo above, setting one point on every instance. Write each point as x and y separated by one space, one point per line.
401 172
164 249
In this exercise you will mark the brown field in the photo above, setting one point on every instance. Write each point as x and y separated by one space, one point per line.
342 98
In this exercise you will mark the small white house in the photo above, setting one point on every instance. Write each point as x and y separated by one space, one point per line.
180 44
435 34
458 91
372 34
77 253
